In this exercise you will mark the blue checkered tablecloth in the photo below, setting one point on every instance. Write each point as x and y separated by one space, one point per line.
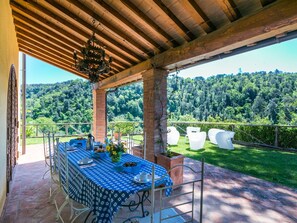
101 187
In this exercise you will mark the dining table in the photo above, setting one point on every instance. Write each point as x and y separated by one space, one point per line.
103 187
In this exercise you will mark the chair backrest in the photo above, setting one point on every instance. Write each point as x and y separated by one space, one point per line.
191 129
63 169
183 193
212 134
171 129
48 147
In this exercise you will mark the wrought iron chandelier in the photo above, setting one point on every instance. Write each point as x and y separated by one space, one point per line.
94 62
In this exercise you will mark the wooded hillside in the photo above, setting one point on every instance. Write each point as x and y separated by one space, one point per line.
257 98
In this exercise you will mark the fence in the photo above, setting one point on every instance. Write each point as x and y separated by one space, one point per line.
275 136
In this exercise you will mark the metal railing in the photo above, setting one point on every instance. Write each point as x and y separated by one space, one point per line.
274 136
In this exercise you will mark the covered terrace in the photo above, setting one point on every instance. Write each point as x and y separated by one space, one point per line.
147 39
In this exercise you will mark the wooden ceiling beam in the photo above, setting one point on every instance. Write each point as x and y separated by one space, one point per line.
259 26
45 39
171 15
75 28
23 14
43 57
35 27
58 40
149 22
109 42
206 24
34 45
15 6
129 24
230 9
48 43
146 50
266 2
47 59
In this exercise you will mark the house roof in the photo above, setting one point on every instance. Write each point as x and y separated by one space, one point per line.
142 34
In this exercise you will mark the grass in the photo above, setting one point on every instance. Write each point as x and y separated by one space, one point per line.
31 141
271 165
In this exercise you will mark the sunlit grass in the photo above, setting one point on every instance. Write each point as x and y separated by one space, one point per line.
32 141
271 165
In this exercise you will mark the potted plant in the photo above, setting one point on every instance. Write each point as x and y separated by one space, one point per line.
166 157
121 126
116 151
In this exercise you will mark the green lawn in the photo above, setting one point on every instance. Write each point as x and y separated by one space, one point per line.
271 165
31 141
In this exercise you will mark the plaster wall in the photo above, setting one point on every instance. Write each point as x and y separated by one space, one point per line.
8 56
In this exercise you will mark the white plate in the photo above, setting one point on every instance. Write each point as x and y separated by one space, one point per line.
136 179
85 162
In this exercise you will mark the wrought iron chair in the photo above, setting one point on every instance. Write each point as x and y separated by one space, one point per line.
55 181
47 150
63 169
164 209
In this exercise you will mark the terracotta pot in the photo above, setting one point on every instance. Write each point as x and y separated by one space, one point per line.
137 151
116 135
177 173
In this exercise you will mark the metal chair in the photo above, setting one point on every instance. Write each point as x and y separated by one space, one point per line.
55 181
47 150
171 209
63 169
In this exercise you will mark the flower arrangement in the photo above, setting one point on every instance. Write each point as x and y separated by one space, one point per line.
116 150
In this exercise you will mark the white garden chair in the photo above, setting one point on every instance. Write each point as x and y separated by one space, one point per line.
172 135
212 135
191 129
197 140
224 139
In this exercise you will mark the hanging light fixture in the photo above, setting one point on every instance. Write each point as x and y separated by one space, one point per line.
94 62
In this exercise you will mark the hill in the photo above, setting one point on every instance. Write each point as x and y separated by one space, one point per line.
249 97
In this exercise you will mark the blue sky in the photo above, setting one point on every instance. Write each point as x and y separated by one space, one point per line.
282 56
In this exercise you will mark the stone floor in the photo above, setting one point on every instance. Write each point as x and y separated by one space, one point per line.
228 196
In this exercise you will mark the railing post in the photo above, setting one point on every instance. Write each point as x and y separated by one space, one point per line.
36 129
276 137
66 129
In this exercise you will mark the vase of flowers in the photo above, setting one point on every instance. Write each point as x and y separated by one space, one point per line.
115 151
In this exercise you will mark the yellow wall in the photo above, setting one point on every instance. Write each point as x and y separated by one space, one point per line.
8 56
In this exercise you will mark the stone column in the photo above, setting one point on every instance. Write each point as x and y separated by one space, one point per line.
99 113
154 111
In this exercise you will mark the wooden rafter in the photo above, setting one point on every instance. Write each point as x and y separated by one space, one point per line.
46 39
266 2
146 50
109 42
142 16
59 30
137 32
41 56
172 16
257 27
206 24
76 29
230 9
34 45
127 23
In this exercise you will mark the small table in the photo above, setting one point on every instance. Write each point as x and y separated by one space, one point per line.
101 187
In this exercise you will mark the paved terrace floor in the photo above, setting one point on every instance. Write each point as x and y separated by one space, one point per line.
228 196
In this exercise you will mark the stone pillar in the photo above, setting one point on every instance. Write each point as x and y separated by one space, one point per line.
154 111
99 114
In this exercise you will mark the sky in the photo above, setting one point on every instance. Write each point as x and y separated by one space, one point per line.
281 56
